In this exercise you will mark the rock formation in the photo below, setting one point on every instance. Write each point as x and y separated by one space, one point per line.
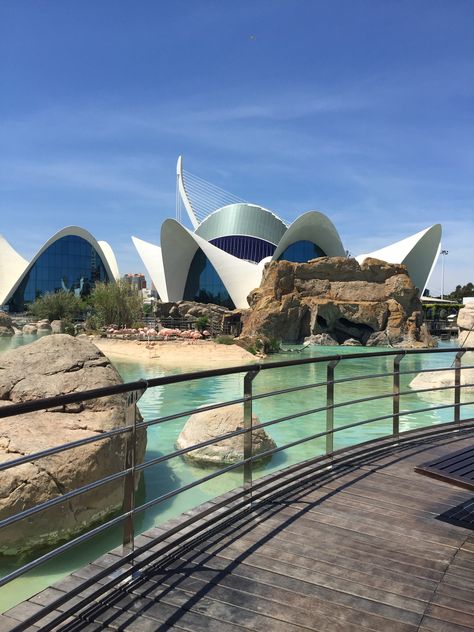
434 379
213 423
465 322
30 329
374 303
57 326
6 326
189 310
50 366
44 326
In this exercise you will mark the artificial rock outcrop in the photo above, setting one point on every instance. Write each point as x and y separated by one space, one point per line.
465 323
374 303
51 366
6 326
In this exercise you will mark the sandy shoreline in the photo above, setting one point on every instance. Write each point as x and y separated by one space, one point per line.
175 354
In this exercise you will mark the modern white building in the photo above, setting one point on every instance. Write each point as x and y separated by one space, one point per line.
222 259
70 260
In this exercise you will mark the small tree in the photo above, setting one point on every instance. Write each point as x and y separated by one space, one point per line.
56 306
116 303
202 323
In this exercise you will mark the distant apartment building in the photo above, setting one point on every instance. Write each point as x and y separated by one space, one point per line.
136 281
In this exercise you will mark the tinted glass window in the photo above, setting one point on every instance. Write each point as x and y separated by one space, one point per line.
302 251
70 263
244 247
204 284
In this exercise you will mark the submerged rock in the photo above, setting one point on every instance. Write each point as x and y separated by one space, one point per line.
50 366
209 424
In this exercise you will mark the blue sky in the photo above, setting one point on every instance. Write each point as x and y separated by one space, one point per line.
360 109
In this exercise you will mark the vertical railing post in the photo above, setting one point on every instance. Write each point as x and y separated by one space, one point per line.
330 404
396 394
248 439
457 385
128 505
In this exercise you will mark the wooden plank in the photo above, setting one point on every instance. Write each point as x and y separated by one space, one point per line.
370 615
339 560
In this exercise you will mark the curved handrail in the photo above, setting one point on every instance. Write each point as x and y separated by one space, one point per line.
134 390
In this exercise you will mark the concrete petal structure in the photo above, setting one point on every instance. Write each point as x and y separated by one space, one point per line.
223 259
418 252
153 261
315 227
12 266
72 249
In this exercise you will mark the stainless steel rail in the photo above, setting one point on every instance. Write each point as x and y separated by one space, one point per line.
132 427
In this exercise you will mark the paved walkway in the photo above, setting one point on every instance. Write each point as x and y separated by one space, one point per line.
372 547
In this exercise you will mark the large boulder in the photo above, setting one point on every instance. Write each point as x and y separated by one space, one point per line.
43 326
210 424
51 366
465 322
6 326
439 379
30 329
57 326
339 297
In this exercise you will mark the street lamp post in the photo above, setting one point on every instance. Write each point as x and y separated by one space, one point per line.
443 255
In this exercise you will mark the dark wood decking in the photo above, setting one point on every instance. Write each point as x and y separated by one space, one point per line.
360 549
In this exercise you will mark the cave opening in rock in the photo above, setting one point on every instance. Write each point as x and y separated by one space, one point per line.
322 322
345 329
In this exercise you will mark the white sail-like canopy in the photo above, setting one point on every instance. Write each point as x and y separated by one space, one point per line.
418 252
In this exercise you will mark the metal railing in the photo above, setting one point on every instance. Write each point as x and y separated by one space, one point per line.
134 426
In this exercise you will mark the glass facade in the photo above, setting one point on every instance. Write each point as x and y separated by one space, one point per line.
301 252
70 263
245 247
204 285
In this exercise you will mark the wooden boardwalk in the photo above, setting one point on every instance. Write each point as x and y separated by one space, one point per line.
374 546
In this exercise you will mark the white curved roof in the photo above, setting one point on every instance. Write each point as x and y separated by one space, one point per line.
12 266
107 260
109 257
418 252
315 227
178 247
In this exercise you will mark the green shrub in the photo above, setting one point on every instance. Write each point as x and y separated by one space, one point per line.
116 303
202 323
57 306
69 328
225 340
92 325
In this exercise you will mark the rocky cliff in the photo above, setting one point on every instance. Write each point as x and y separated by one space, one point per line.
374 303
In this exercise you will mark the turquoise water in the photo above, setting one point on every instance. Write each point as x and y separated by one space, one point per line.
175 473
